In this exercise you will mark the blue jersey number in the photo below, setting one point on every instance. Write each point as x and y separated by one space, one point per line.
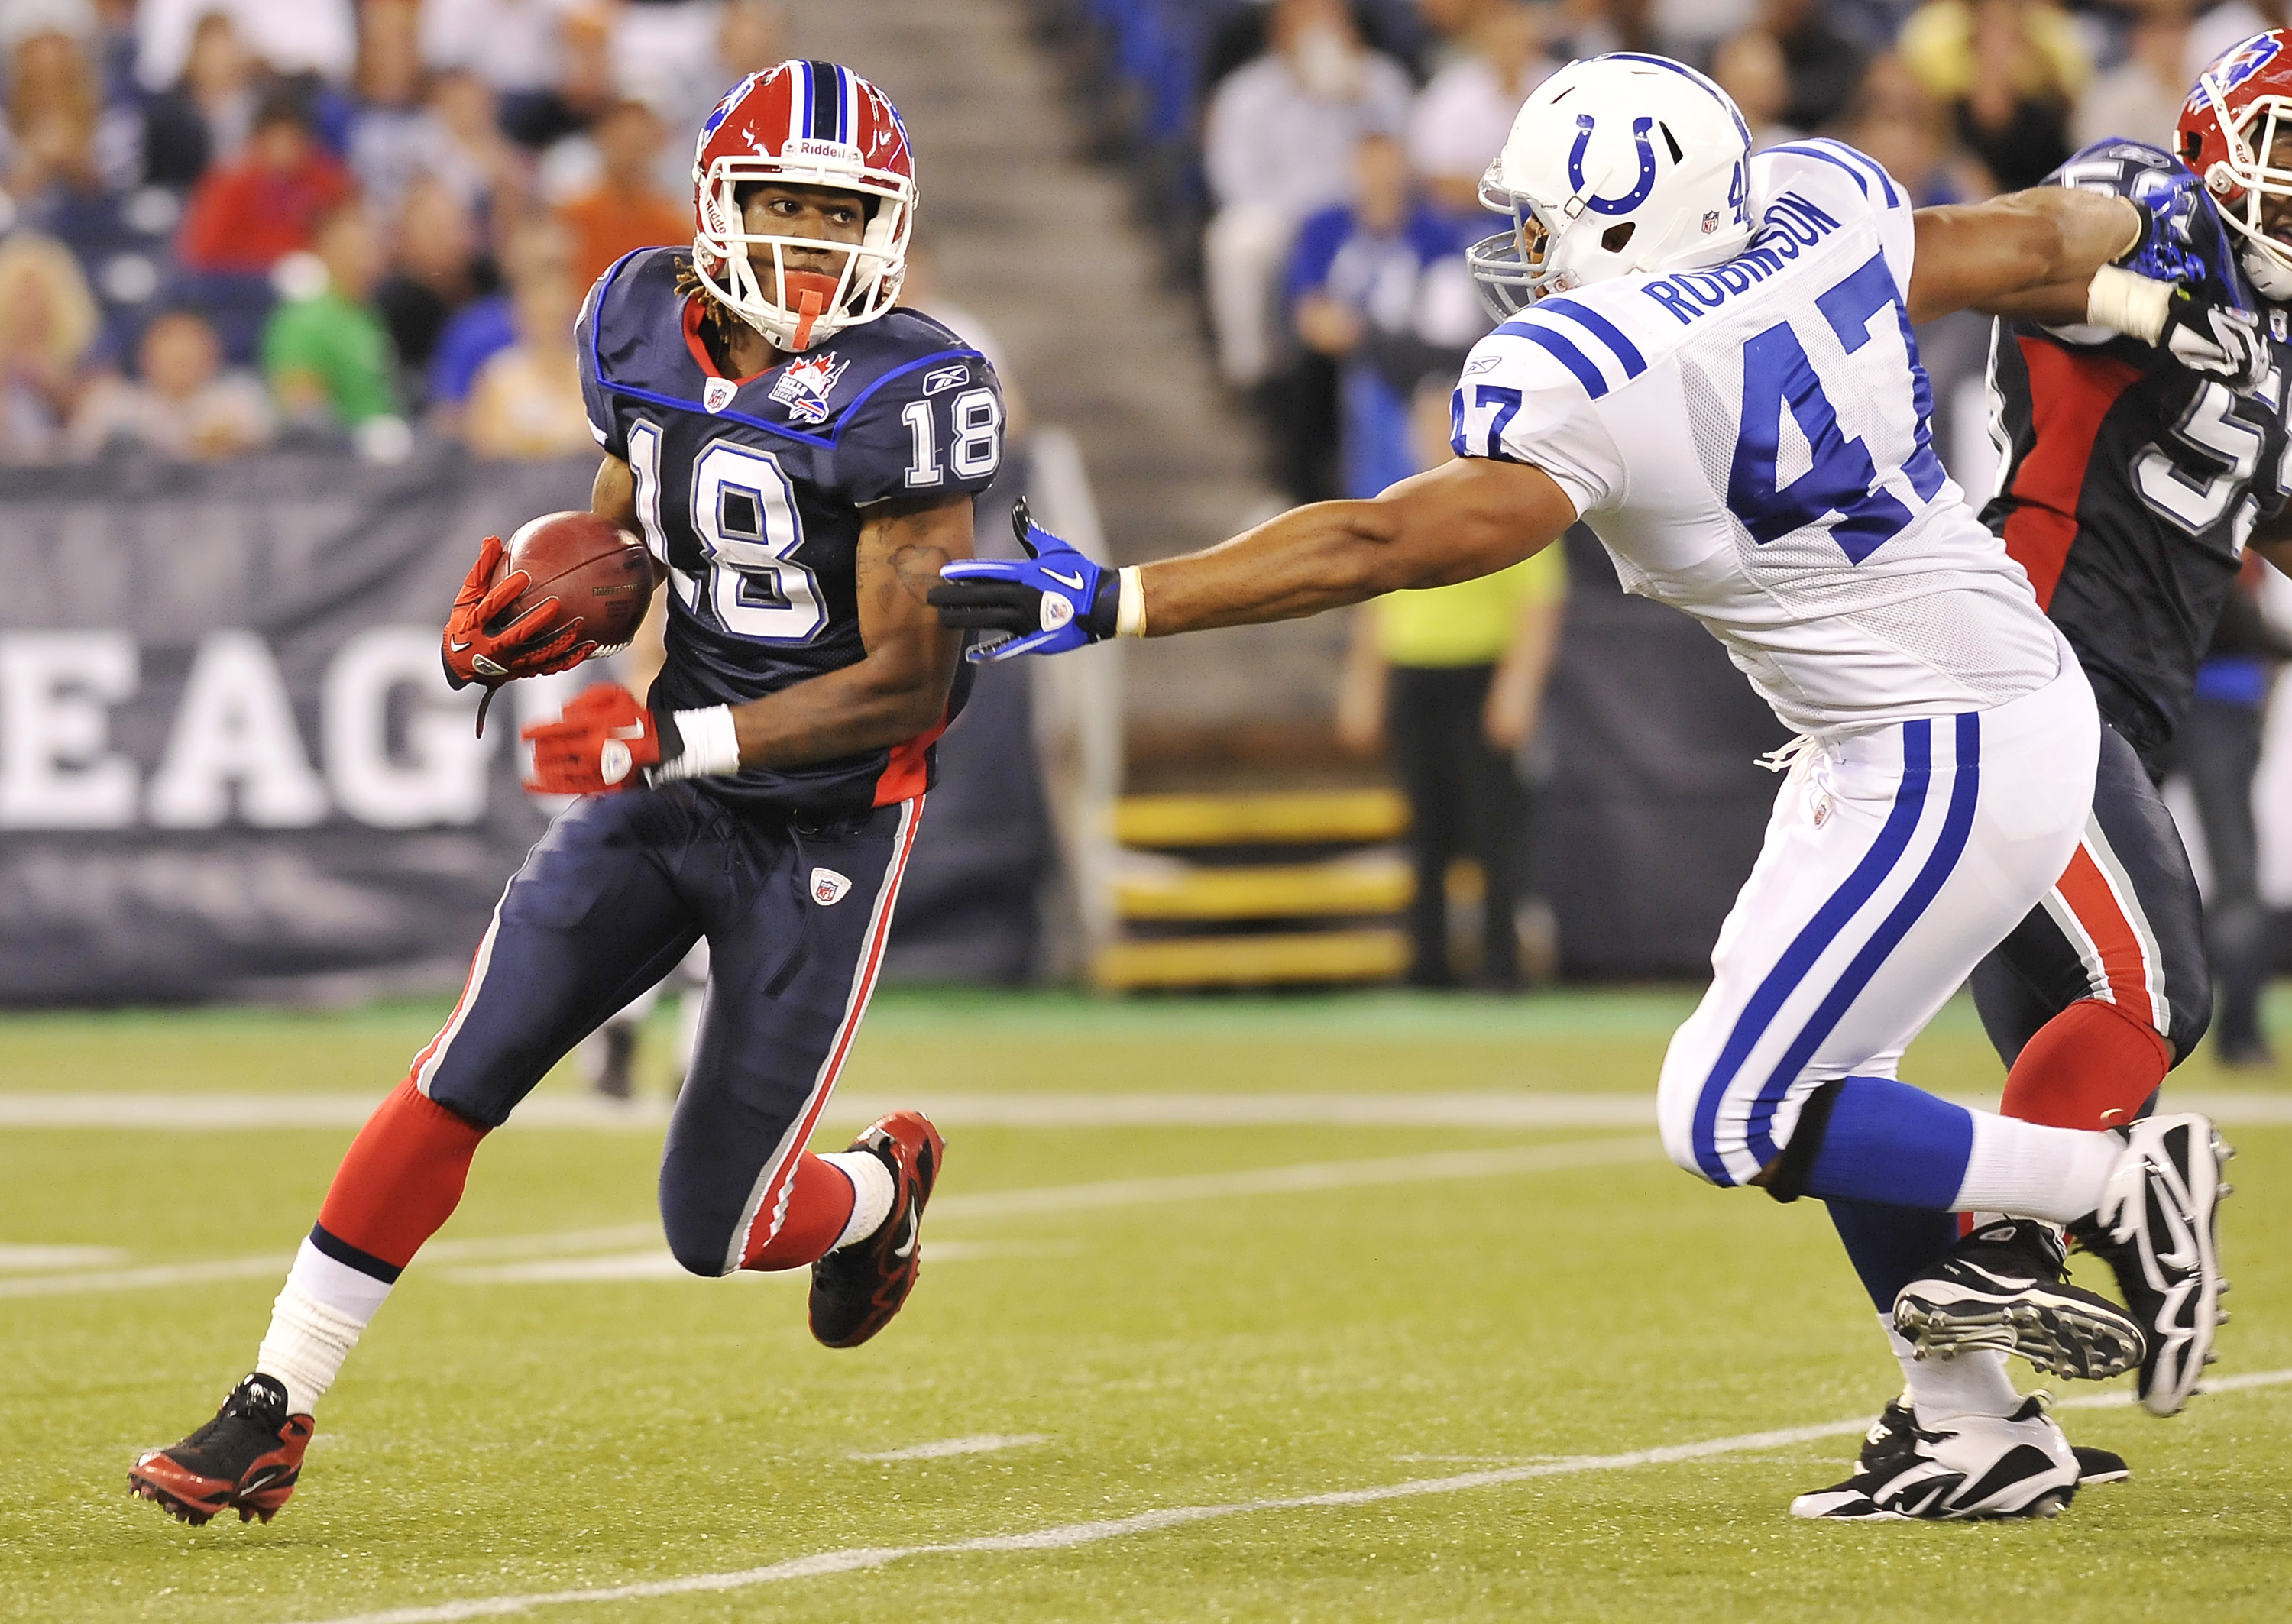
1842 479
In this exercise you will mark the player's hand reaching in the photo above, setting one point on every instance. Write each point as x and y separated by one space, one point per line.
476 648
605 736
2207 334
1053 600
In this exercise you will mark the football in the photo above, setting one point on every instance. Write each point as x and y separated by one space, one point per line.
600 571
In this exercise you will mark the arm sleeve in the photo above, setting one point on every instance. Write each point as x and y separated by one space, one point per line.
934 426
1521 400
596 400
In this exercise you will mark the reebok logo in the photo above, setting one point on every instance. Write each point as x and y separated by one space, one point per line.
829 887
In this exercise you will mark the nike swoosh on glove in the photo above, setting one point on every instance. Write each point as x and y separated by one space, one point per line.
605 736
537 642
1053 600
2180 239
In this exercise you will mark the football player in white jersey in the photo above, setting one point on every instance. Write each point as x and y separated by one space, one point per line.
1709 358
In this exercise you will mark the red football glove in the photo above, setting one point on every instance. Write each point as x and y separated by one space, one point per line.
535 643
604 737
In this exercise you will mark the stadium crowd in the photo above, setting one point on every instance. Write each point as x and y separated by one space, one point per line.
231 223
1318 160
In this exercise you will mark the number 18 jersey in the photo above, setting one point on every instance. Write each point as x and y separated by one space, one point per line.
751 491
1751 443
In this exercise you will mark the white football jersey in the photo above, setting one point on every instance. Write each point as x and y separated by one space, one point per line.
1751 442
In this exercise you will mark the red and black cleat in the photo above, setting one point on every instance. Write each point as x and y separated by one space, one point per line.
247 1458
857 1289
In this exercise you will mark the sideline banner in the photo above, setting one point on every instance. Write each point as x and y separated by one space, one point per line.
230 765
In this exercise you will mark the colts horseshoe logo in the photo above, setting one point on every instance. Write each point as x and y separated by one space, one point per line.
1630 200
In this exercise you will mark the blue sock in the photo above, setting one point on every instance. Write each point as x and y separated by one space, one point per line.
1890 1143
1892 1246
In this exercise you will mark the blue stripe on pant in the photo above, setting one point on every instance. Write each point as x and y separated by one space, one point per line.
1821 932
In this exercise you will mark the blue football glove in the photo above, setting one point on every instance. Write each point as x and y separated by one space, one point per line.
1051 600
2180 239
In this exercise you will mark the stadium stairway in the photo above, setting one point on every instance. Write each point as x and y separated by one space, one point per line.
1024 231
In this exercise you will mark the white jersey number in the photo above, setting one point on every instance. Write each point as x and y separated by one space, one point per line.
743 510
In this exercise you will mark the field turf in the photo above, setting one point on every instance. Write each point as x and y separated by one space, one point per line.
1529 1324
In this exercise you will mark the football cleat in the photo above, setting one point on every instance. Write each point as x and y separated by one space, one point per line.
1894 1431
2155 1229
857 1289
2002 1287
1974 1466
246 1460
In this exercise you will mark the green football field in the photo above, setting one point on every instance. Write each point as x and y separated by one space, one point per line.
1367 1307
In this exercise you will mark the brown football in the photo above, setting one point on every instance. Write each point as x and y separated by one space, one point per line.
599 570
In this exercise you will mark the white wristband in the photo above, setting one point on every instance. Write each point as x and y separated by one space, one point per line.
712 745
1130 605
2124 303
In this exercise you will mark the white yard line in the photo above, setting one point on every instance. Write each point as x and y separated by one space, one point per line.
1493 1109
1067 1535
1298 1179
655 1263
985 1444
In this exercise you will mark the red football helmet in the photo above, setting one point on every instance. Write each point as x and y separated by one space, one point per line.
802 123
2227 136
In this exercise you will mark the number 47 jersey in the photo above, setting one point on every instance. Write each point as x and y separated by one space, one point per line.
1751 442
752 492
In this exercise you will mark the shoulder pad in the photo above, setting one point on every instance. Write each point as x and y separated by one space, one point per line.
1581 333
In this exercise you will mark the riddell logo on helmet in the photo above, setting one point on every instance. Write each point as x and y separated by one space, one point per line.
820 150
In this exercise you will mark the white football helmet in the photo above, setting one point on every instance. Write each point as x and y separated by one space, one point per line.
1618 164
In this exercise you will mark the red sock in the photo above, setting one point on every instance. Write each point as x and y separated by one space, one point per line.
2090 1066
820 1205
402 1177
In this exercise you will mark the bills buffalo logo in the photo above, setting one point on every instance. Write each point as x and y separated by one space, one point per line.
804 387
2246 60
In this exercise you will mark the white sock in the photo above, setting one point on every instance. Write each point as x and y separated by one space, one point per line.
1973 1383
2033 1171
314 1323
872 1191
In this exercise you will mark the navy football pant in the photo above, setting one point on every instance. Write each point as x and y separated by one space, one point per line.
617 891
2123 925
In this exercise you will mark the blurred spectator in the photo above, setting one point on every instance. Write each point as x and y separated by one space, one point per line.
1691 29
1750 68
393 139
2008 70
119 238
48 322
326 350
1824 64
537 247
1450 681
528 398
246 214
463 147
1380 288
2218 746
186 406
510 44
1593 28
1279 145
2140 98
585 85
2214 29
54 56
292 37
436 268
204 118
749 37
1461 119
627 208
1893 120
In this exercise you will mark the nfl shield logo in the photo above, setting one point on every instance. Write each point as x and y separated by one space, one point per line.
718 393
829 886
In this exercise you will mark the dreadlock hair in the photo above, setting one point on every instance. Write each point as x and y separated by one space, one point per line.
717 325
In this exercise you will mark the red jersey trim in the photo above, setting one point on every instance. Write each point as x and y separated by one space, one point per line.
907 773
2069 395
700 351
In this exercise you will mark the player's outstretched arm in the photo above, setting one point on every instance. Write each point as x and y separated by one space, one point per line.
2032 253
1463 519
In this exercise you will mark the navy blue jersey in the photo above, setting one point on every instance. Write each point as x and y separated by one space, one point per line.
751 491
2132 484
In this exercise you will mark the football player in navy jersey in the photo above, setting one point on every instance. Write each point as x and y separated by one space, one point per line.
800 456
2131 486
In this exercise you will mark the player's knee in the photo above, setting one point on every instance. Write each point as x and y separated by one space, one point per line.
2191 1016
697 1242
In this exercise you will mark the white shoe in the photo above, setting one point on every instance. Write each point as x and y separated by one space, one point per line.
1972 1466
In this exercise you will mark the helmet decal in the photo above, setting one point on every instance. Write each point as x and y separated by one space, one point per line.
1585 124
